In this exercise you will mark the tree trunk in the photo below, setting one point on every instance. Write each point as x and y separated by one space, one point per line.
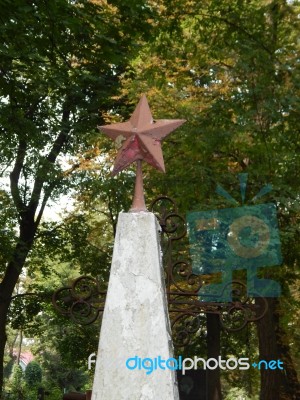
27 222
3 313
273 345
8 284
213 351
20 348
291 388
271 380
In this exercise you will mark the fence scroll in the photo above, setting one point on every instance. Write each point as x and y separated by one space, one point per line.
83 301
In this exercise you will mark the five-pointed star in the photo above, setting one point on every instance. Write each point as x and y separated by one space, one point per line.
140 137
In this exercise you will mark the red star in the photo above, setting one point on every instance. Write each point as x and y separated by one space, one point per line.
140 137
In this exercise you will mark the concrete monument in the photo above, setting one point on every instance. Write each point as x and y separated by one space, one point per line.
135 340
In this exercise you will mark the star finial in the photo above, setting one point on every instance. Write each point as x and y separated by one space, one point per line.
139 139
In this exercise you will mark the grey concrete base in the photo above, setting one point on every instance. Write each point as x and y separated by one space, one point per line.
135 320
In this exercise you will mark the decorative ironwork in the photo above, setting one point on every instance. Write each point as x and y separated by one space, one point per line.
182 285
83 301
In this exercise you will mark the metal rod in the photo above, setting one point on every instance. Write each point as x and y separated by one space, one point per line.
138 203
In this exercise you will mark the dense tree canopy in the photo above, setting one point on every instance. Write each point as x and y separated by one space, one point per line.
60 64
230 68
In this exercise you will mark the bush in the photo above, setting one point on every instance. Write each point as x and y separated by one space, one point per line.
33 374
238 394
16 384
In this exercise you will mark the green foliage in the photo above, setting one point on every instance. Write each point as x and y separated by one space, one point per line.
238 394
17 376
17 386
61 71
8 220
60 68
33 374
61 375
230 68
55 393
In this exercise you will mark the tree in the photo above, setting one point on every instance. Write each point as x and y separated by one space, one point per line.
33 374
17 383
60 64
231 69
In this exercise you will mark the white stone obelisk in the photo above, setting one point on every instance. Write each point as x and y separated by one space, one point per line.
135 322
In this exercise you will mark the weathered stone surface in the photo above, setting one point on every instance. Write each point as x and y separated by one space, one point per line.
135 320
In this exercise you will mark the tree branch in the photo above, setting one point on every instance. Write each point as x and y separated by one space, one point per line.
44 202
41 294
15 175
61 139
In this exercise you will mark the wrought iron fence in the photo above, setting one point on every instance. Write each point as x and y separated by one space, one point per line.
83 301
